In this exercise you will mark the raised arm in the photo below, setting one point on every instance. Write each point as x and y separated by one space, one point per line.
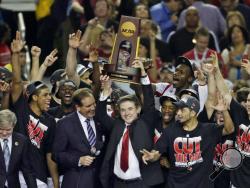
93 58
101 113
86 38
222 106
211 100
71 60
148 97
153 70
35 52
17 85
49 60
220 82
77 7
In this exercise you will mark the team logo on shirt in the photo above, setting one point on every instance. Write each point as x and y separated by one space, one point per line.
36 131
243 140
187 151
219 150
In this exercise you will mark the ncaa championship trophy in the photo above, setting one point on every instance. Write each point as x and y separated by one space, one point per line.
124 51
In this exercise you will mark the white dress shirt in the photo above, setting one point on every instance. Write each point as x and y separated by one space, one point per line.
84 124
133 170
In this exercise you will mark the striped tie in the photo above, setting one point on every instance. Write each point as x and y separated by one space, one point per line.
6 152
92 138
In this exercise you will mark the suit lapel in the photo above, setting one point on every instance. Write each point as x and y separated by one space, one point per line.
80 130
134 139
119 132
99 130
2 163
14 149
115 138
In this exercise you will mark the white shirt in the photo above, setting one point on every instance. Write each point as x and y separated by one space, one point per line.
10 146
84 124
133 170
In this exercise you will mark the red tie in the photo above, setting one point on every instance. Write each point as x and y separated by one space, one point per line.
125 151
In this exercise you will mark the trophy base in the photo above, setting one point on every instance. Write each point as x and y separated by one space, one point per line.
127 75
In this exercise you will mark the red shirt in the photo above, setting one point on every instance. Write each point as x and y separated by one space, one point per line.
191 56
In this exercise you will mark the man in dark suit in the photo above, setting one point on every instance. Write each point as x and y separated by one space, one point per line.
78 143
13 154
122 163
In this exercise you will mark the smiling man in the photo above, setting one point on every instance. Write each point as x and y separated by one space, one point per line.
30 107
79 142
122 166
189 145
65 94
183 78
38 126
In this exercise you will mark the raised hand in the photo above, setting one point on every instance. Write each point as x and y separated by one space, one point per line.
207 67
76 6
200 76
138 63
245 64
215 61
75 39
35 51
93 22
106 85
93 54
222 105
51 58
17 44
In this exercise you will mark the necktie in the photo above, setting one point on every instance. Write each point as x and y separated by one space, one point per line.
92 138
6 152
125 150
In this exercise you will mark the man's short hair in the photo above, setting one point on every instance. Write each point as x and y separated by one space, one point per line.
241 94
65 83
202 31
80 94
7 117
131 98
34 89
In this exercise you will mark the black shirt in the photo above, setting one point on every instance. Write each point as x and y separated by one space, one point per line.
40 130
239 177
57 113
227 141
53 103
190 154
